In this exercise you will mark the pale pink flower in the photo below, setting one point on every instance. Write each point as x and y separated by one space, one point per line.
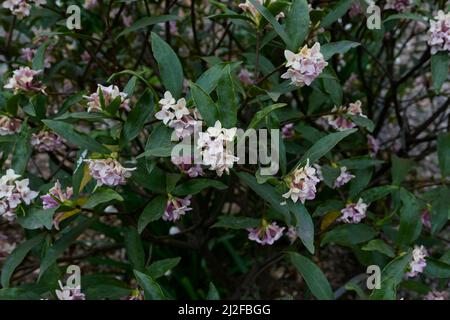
439 33
248 7
373 144
108 171
266 234
46 141
343 178
19 8
23 79
399 5
340 121
302 184
9 125
186 165
177 207
305 66
418 262
67 293
245 76
436 295
354 212
109 93
56 196
287 131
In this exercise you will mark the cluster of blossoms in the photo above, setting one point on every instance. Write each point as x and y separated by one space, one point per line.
216 148
23 79
177 116
56 196
266 233
14 192
340 121
108 171
185 164
399 5
109 94
302 184
5 247
176 207
9 125
68 293
246 77
436 295
418 262
439 33
354 212
46 141
21 8
304 66
343 178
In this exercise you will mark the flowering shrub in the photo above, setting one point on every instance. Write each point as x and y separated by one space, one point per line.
137 148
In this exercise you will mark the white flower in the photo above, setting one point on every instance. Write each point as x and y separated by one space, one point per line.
180 108
67 293
165 115
302 184
418 262
168 100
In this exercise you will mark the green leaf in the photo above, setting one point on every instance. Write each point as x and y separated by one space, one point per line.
213 294
400 169
439 69
349 234
391 276
332 85
362 122
377 193
36 218
443 150
169 66
152 290
210 78
437 269
205 105
359 163
304 225
195 186
330 49
138 116
159 140
407 16
102 195
129 87
263 113
323 146
267 193
73 99
152 211
440 209
409 217
135 250
22 150
147 21
269 17
336 12
313 276
39 57
62 244
158 268
380 246
233 222
17 294
16 258
297 23
227 99
67 131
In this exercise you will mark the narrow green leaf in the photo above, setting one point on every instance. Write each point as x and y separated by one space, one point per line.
443 149
330 49
227 99
303 225
138 116
206 106
197 185
213 294
297 23
102 195
135 250
153 211
439 69
336 12
349 234
152 290
233 222
147 21
158 268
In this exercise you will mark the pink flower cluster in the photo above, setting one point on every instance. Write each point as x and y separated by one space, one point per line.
215 148
177 116
339 121
246 76
343 178
109 94
184 163
55 196
9 125
266 233
13 192
439 33
21 8
304 66
46 141
23 79
176 207
418 262
354 212
108 171
302 184
436 295
399 5
287 131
